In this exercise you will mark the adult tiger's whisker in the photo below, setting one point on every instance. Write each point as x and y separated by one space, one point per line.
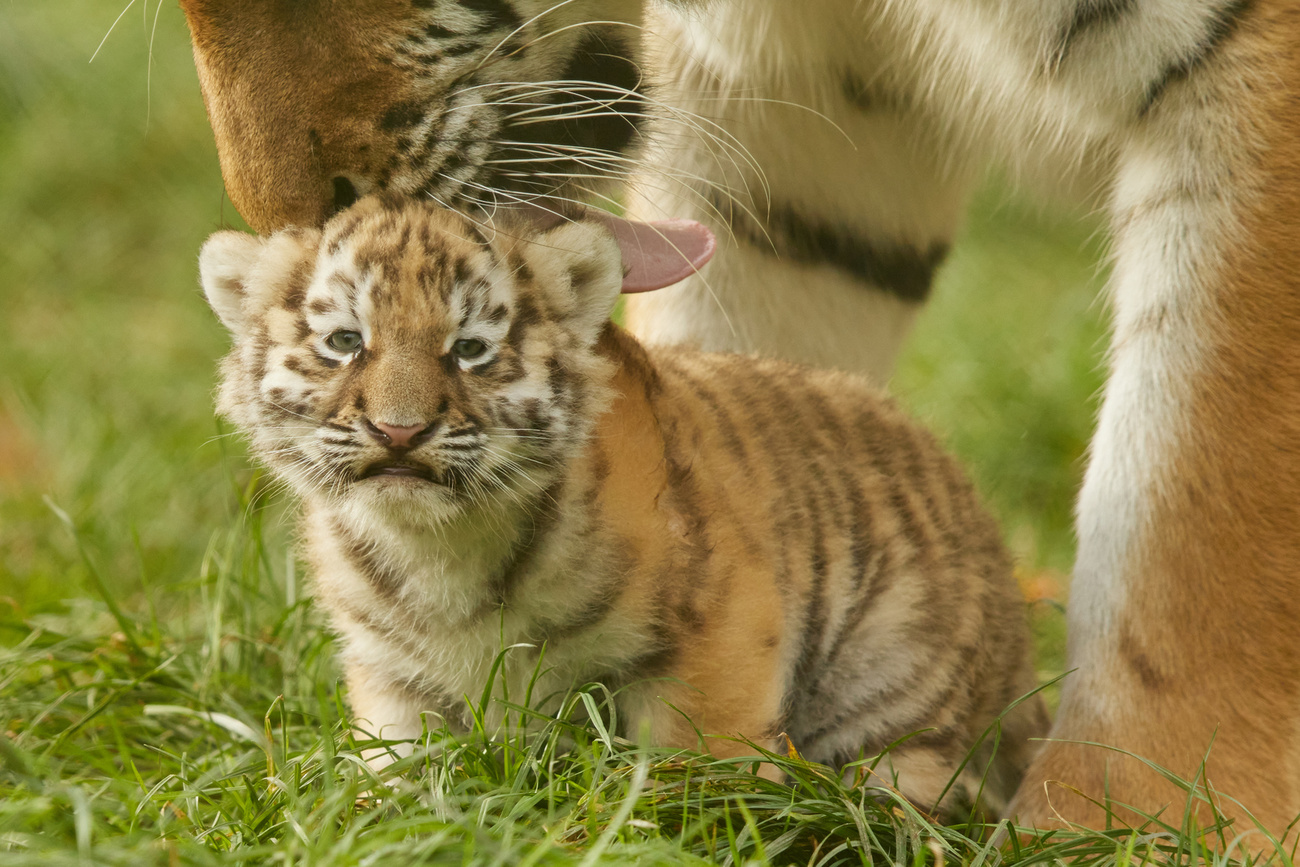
705 129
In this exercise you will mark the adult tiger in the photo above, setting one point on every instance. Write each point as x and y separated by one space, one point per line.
1185 593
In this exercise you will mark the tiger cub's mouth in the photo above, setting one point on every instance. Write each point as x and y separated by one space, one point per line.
399 469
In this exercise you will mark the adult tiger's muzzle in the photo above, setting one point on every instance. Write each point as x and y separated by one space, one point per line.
295 91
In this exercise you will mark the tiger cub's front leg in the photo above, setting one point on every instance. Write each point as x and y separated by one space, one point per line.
388 711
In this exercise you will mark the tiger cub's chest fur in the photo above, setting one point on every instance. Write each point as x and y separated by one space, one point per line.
742 546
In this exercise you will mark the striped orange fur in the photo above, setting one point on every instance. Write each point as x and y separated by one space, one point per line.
754 548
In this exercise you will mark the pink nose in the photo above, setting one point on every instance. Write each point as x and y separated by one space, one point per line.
399 437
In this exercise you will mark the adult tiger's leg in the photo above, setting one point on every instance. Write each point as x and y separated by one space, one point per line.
1186 595
832 204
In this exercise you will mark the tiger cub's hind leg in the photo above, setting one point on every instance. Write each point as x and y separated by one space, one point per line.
981 769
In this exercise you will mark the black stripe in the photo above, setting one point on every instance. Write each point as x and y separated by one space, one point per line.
924 717
324 360
802 689
766 404
404 635
603 118
862 552
341 228
498 14
294 364
901 269
437 31
827 448
543 519
526 315
557 378
884 440
1088 14
594 612
1143 665
654 662
293 298
869 593
283 404
402 115
460 51
359 555
872 97
487 367
912 466
1223 24
519 268
718 413
683 497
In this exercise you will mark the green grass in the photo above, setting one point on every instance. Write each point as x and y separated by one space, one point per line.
1006 365
127 740
167 695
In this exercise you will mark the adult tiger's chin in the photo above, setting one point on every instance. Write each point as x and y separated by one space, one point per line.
479 103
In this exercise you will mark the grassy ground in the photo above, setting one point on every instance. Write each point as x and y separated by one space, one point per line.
228 745
165 693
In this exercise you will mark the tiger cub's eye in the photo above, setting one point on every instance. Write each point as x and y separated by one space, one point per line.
344 341
468 348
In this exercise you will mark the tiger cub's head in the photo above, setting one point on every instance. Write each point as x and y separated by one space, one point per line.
408 360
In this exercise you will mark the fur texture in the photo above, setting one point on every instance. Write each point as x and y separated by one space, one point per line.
837 141
754 548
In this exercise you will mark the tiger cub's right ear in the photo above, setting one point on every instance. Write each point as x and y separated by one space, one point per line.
226 263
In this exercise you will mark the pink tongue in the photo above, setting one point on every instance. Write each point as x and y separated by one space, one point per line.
658 254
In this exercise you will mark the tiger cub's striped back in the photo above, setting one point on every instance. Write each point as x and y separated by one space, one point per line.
772 551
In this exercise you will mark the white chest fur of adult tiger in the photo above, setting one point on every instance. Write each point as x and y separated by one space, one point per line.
486 462
1184 602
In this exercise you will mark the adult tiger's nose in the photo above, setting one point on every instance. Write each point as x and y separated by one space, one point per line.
396 437
345 193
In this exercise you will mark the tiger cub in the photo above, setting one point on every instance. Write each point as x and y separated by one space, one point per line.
742 546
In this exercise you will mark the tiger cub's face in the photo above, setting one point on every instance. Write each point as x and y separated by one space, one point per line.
405 360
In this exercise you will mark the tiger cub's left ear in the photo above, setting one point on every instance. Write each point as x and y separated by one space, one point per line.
241 274
226 263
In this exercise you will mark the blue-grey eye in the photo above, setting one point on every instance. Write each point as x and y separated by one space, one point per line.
468 348
344 341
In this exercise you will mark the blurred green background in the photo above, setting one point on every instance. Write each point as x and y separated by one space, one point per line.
109 184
